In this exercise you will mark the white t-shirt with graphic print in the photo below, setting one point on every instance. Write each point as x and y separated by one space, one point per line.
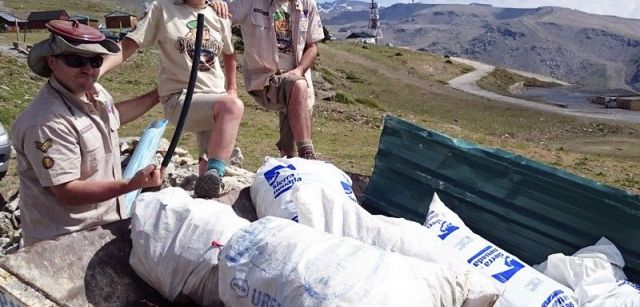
172 28
284 36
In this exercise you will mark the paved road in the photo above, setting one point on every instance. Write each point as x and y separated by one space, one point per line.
467 83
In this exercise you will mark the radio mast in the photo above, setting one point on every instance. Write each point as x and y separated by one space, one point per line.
374 20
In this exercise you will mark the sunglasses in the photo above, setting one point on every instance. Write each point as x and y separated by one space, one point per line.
78 61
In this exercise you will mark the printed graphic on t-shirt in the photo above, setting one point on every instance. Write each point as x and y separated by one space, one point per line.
211 47
282 26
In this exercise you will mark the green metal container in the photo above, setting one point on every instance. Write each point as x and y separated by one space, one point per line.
527 208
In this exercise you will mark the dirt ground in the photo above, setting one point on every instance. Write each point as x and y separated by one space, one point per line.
622 147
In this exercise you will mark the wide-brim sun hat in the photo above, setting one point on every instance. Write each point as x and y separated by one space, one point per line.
68 37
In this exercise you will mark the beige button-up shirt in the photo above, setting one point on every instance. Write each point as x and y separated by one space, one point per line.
59 138
260 48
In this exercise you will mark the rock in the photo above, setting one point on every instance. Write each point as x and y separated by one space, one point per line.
236 178
236 157
10 249
186 161
6 226
180 152
163 146
4 243
183 177
125 148
15 220
128 144
325 95
11 206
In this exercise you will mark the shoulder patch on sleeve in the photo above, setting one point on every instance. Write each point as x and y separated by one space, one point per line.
44 146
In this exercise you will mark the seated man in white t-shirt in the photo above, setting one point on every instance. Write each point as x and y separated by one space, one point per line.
216 111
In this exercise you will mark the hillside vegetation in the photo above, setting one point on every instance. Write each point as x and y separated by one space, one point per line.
369 82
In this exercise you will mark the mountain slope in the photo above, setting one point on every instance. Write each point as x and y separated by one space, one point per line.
591 50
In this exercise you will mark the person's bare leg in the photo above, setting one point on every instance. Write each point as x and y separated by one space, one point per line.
227 114
286 144
300 119
298 112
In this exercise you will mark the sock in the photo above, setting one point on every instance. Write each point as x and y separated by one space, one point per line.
305 149
216 164
303 143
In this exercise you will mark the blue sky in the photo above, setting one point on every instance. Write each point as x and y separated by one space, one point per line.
621 8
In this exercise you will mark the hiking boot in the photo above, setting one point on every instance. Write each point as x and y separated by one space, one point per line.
209 185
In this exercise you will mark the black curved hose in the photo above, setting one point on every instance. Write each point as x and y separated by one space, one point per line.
187 100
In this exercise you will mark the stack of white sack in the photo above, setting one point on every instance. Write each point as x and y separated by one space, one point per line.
176 243
524 286
274 181
277 262
595 275
326 203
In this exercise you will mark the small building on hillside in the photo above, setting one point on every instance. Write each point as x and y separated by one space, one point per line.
120 20
86 20
362 38
630 103
38 20
9 22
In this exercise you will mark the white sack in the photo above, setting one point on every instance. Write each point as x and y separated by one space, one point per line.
277 262
595 274
524 286
271 188
173 239
336 214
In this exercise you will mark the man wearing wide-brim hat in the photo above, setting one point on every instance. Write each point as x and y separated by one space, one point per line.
66 139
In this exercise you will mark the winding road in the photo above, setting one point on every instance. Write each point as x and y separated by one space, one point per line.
467 83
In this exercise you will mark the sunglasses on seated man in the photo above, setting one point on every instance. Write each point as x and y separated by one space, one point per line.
78 61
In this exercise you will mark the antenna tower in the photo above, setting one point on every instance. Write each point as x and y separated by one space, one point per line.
374 20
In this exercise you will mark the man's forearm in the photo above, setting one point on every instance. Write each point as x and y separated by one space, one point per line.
131 109
230 65
308 57
127 48
80 192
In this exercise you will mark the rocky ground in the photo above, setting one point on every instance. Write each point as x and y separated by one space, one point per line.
181 172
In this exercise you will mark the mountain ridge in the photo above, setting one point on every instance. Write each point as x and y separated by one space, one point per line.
582 48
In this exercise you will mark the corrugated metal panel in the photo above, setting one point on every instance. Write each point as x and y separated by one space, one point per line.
525 207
